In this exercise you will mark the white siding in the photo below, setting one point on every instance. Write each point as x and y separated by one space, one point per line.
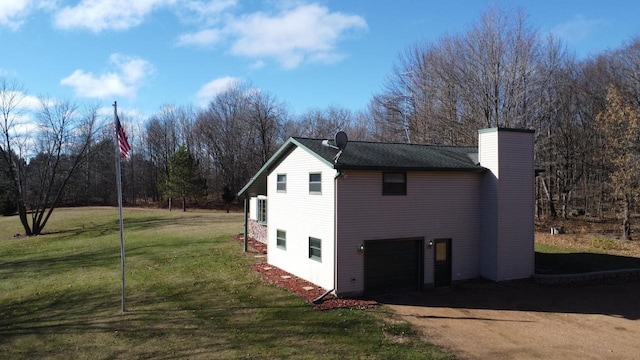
253 208
437 205
516 203
302 215
508 204
488 158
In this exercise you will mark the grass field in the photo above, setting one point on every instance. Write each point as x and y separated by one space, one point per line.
585 251
189 290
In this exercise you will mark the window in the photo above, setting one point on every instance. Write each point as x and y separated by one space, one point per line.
315 183
394 184
282 183
262 210
315 249
281 239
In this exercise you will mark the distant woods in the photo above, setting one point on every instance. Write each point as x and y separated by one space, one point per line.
498 72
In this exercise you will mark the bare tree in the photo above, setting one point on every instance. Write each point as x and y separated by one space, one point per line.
59 148
620 124
223 129
265 119
12 148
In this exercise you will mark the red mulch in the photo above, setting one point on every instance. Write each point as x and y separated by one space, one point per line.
297 285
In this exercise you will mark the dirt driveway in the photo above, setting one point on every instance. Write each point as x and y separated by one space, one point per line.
482 320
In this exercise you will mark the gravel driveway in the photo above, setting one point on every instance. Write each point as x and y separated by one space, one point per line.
522 320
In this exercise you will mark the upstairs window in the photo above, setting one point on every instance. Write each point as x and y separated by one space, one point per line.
394 183
282 183
315 249
315 183
262 210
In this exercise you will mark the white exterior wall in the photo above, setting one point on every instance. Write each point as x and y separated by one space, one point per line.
488 158
253 208
302 215
437 205
508 204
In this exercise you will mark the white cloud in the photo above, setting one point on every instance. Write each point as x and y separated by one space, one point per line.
305 33
577 29
13 12
99 15
200 38
213 88
129 74
206 11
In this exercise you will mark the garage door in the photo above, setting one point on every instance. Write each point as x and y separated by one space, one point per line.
392 265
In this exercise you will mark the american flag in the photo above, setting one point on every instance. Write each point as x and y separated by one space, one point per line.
123 141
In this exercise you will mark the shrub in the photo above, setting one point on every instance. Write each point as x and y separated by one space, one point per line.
604 243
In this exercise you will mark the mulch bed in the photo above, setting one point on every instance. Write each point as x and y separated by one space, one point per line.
301 287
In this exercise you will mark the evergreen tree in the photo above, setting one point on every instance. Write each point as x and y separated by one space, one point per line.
183 179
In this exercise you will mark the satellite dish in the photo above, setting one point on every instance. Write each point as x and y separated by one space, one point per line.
340 140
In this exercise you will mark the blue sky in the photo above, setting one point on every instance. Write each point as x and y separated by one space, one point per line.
308 54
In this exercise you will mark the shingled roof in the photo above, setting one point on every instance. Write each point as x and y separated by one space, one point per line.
366 155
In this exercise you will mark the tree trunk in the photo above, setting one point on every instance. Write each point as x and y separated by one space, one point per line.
22 213
184 204
169 204
626 223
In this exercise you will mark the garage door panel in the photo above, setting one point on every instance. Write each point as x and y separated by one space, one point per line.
392 265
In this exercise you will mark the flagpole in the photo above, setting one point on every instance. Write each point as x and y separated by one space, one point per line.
119 182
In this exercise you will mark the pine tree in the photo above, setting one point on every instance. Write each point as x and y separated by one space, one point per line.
184 178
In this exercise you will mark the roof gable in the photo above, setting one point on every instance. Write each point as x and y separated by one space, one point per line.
366 155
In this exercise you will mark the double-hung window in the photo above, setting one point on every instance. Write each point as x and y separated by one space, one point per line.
281 183
315 183
394 183
262 210
315 249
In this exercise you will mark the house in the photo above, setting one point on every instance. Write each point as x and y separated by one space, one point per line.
379 217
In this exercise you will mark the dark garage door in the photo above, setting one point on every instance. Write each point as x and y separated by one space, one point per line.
392 265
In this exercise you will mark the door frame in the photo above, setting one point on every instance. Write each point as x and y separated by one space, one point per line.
437 281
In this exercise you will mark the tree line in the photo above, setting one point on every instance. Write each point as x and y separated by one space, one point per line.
499 72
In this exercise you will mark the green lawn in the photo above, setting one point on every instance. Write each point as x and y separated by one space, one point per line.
190 294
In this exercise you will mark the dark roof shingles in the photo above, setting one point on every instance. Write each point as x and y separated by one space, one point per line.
379 156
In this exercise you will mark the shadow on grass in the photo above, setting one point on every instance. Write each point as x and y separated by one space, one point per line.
135 224
80 321
573 263
107 258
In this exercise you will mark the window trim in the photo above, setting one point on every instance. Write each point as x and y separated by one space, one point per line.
393 188
281 241
318 248
283 183
261 210
317 183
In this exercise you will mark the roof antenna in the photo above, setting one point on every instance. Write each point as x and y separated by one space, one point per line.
340 140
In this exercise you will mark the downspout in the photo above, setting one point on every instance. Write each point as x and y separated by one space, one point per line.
246 223
320 298
335 232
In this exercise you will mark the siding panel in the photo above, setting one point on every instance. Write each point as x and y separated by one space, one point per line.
437 205
302 215
508 204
